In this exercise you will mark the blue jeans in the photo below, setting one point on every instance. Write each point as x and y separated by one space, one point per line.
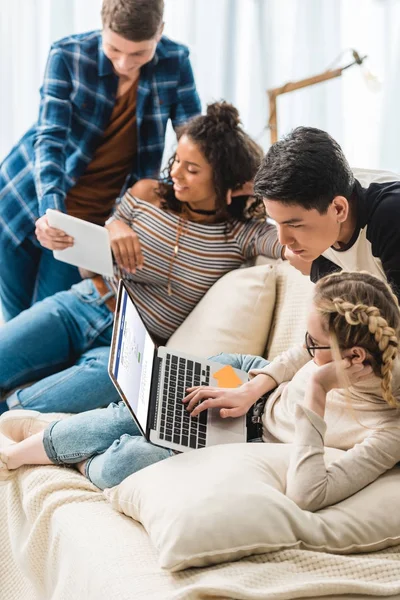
62 343
29 273
110 440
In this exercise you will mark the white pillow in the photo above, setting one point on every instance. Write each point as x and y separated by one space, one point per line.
234 315
294 293
225 502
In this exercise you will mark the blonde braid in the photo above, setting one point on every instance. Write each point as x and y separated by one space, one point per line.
384 335
352 277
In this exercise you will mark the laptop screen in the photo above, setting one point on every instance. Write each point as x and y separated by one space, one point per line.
133 358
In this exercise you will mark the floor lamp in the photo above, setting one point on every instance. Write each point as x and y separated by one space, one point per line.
291 86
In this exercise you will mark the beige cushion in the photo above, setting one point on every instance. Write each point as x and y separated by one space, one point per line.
234 316
294 293
226 502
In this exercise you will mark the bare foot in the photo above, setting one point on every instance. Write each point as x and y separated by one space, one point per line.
5 467
81 467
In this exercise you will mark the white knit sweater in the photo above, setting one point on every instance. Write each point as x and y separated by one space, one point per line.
357 420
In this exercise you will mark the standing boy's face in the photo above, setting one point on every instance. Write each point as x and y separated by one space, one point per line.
307 233
128 57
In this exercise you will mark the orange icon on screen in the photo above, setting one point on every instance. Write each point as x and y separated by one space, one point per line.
227 378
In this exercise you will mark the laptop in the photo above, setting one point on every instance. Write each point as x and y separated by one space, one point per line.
91 249
152 382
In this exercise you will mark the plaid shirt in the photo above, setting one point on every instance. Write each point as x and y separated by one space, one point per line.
77 99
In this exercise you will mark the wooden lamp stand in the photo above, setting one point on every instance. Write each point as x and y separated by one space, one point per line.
291 86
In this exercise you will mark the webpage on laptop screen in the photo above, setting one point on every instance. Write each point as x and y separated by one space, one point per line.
133 362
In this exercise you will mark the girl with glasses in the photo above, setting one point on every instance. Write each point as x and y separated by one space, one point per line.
340 389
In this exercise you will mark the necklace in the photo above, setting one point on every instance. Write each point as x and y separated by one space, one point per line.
182 225
200 211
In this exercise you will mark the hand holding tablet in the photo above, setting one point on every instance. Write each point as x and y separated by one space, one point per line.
51 237
91 249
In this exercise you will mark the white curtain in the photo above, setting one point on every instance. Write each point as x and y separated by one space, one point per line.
27 29
239 49
388 144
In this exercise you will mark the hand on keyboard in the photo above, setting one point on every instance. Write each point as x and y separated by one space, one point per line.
232 402
175 424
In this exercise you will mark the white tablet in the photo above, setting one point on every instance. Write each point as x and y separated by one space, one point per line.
91 249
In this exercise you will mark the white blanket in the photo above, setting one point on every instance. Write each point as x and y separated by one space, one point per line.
60 540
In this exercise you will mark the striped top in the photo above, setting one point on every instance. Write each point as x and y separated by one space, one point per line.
206 252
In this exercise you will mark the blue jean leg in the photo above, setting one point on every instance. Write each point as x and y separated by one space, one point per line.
125 456
53 276
50 338
29 273
109 438
83 386
245 362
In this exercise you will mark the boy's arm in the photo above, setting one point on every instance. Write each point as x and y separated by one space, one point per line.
188 101
53 129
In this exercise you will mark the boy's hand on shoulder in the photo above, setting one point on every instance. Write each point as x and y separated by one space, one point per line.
247 189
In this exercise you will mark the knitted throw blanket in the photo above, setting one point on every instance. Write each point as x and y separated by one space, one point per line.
60 540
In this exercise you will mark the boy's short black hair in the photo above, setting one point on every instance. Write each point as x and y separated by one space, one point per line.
306 167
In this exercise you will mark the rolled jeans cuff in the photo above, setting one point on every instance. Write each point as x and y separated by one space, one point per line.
48 445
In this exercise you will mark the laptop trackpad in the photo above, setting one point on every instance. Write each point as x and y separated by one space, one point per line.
224 431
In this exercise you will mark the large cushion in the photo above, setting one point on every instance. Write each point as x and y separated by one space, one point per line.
234 316
294 293
226 502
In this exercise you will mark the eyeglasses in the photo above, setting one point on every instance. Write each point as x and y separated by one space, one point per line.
311 347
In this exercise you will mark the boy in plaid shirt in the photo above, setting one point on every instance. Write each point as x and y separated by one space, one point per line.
105 102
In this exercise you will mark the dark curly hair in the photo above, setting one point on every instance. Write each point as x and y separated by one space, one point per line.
233 156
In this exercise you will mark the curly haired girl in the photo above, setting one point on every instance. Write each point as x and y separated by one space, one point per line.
170 247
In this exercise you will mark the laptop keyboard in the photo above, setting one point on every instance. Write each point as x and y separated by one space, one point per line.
177 425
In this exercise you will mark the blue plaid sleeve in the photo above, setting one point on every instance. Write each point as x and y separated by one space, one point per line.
188 101
52 132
